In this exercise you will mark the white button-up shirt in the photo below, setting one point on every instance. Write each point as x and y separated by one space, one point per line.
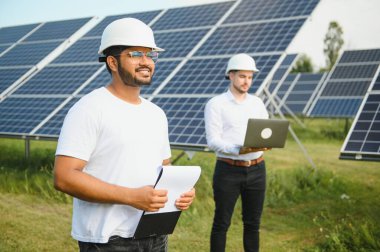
226 124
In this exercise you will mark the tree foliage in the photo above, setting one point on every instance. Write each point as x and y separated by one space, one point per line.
333 42
303 65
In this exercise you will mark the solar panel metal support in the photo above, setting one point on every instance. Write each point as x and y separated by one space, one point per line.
306 154
27 148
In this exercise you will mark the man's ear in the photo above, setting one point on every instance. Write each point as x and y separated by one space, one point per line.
112 63
231 74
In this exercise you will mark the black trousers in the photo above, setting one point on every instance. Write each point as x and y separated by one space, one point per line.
228 183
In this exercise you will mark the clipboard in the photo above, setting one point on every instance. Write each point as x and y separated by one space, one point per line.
177 180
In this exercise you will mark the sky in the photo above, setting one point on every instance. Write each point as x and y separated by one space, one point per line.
359 19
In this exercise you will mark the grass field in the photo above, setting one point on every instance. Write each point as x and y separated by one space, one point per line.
333 208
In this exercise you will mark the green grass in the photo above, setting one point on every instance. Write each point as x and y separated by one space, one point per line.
332 208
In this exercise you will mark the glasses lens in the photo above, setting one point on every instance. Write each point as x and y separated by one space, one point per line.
137 55
153 55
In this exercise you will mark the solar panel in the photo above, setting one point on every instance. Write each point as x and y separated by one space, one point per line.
9 35
195 16
179 43
19 115
10 75
53 126
253 38
264 10
58 30
185 119
3 48
363 140
34 47
57 80
346 85
301 91
27 54
84 50
97 31
206 76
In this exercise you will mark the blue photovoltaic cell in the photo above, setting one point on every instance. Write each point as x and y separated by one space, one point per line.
251 10
84 50
346 88
206 76
349 81
53 126
27 54
162 71
9 75
22 115
178 43
253 38
298 97
365 136
15 33
185 119
101 80
339 107
371 55
194 16
281 71
57 30
2 48
97 31
58 80
355 71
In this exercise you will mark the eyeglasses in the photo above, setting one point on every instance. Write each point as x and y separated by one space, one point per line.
137 55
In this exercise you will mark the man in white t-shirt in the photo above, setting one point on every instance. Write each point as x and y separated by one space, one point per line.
239 171
112 145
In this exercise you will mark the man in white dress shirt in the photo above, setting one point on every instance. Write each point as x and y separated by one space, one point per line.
239 170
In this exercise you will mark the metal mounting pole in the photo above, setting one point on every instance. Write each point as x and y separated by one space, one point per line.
27 148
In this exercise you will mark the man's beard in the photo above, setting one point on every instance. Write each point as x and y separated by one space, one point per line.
133 81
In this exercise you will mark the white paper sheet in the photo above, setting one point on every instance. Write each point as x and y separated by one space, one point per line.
176 180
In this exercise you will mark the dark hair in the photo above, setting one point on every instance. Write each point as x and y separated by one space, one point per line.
114 51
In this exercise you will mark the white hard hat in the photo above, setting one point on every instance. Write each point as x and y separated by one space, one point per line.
239 62
127 32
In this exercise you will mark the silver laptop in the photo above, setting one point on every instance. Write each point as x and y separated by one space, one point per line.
266 133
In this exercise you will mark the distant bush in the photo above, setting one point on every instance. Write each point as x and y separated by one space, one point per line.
347 234
284 188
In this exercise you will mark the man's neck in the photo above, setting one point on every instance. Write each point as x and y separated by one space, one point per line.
239 96
126 93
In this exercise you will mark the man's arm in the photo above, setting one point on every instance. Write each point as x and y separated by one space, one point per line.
214 131
70 178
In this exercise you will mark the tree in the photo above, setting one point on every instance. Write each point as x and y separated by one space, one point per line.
303 65
333 43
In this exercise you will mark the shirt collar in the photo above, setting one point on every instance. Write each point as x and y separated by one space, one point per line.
231 97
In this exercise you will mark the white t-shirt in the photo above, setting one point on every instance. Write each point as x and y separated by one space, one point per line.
226 124
123 144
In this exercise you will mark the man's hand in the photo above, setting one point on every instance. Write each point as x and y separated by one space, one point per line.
245 150
148 199
185 200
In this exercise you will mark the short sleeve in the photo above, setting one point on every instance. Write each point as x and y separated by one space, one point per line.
79 133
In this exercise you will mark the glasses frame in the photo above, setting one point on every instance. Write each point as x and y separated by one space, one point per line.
153 55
